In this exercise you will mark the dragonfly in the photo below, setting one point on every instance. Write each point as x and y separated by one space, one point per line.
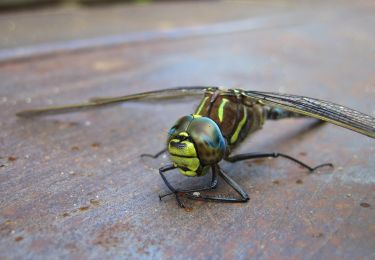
224 118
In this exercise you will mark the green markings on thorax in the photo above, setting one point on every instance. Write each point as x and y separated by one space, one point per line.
230 115
234 137
199 110
221 109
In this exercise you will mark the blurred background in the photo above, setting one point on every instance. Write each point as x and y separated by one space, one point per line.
28 4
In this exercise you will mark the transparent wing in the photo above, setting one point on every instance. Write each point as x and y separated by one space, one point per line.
324 110
165 94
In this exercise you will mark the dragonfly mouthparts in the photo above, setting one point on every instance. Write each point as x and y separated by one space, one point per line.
178 145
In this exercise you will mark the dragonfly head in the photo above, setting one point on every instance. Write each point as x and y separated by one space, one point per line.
195 143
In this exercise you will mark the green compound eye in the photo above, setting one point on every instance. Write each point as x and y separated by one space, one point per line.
172 131
180 126
208 139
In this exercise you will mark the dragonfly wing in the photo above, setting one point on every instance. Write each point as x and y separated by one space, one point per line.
323 110
165 94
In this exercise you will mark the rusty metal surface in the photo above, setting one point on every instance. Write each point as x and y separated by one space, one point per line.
74 186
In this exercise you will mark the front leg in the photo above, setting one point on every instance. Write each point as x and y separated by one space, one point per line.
244 197
154 156
173 190
178 192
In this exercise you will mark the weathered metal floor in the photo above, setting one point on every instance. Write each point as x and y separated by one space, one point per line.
74 186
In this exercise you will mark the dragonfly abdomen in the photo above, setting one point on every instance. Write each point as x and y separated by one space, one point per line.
275 113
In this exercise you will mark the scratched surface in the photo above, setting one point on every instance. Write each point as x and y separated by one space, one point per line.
74 186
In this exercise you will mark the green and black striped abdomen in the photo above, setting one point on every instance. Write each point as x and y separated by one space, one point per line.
276 113
234 119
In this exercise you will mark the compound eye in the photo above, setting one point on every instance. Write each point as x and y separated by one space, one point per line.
205 131
180 126
172 131
202 135
202 128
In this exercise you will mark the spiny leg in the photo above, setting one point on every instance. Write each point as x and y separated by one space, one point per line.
212 186
231 182
154 156
246 156
166 168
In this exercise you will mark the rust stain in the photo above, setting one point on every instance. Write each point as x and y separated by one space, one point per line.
95 145
318 235
6 227
75 148
365 205
18 239
71 247
342 205
93 202
72 124
84 208
188 209
301 243
38 245
12 158
108 237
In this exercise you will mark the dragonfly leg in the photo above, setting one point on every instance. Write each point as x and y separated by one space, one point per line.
179 192
173 190
231 182
245 156
154 156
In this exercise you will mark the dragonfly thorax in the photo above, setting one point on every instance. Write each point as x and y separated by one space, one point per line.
195 143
